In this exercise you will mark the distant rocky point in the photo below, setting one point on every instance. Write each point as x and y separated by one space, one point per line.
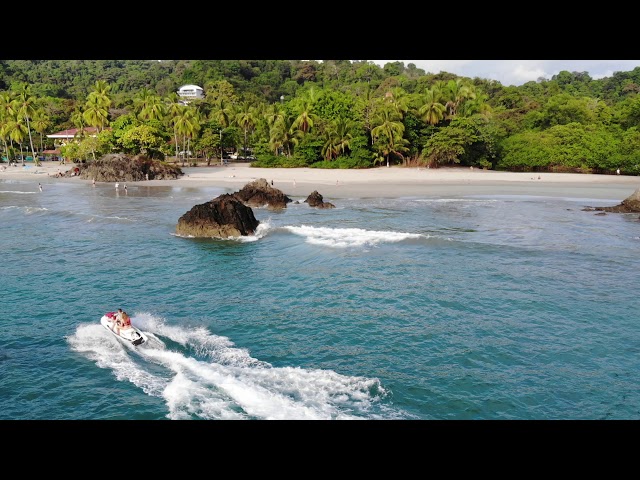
124 168
260 194
317 200
631 204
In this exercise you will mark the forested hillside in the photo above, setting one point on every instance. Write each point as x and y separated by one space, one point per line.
327 114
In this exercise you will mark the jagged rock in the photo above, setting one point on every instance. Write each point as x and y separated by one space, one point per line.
316 200
123 168
259 194
631 204
224 216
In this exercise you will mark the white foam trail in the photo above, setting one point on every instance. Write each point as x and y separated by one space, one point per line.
108 352
455 200
30 210
226 382
263 393
18 192
216 347
348 237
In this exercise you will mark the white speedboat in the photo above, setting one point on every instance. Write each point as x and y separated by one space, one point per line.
130 334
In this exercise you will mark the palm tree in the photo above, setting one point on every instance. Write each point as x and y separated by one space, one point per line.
174 112
330 148
475 105
142 100
431 110
41 123
150 106
222 113
95 113
343 135
366 103
283 135
4 134
337 138
245 118
276 141
77 118
274 113
188 125
457 92
101 89
399 99
17 132
388 132
7 114
305 119
98 103
26 110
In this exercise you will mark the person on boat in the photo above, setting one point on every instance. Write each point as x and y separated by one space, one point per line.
118 321
125 321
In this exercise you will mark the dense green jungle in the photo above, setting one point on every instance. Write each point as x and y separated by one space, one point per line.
320 114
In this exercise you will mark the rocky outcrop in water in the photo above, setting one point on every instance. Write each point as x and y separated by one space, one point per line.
223 217
260 194
631 204
316 200
123 168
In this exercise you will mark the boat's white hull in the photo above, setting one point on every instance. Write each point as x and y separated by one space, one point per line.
130 335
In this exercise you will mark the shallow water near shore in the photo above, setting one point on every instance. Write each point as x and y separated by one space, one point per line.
482 306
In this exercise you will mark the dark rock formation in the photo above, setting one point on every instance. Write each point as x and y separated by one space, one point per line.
631 204
123 168
259 194
224 216
316 200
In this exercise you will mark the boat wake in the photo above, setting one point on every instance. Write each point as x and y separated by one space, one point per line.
205 376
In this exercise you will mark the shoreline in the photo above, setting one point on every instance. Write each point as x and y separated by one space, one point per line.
379 182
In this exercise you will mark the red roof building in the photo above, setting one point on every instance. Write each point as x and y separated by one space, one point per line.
70 134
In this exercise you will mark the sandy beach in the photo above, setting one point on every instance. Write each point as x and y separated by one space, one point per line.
389 182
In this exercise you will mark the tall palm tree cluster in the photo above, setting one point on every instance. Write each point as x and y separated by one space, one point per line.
330 124
19 118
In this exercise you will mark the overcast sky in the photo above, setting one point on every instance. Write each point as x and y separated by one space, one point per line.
517 72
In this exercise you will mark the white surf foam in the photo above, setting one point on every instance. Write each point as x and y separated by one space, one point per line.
222 381
349 237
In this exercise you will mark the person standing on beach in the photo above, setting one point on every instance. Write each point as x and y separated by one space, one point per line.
40 186
93 182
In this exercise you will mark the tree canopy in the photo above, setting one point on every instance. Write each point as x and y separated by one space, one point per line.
329 114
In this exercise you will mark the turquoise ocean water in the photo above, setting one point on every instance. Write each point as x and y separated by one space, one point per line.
448 307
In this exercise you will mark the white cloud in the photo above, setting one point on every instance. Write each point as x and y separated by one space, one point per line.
524 73
518 72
